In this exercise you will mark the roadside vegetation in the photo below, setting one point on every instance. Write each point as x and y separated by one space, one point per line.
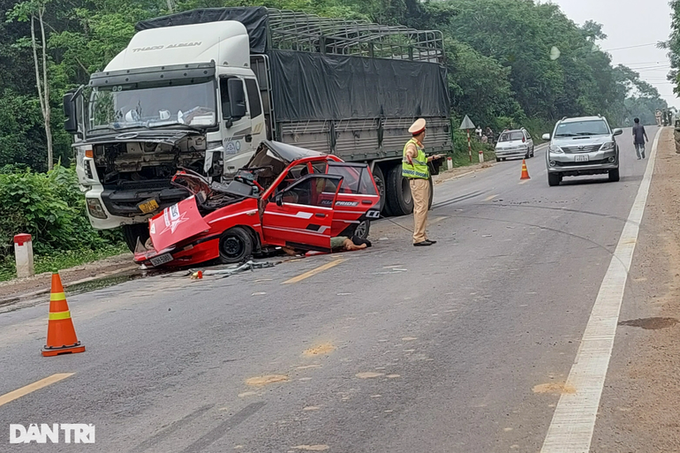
511 63
51 208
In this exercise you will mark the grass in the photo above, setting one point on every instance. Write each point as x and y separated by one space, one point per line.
61 260
461 159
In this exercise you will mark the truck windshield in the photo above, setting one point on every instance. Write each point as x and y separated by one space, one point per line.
124 107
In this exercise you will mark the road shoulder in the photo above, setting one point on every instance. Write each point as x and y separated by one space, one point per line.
638 410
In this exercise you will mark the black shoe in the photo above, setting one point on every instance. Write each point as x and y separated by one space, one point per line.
431 242
424 243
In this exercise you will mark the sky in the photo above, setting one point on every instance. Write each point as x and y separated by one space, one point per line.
633 27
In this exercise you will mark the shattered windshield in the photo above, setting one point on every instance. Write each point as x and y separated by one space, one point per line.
130 106
582 128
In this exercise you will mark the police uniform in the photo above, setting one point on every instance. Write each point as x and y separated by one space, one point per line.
414 167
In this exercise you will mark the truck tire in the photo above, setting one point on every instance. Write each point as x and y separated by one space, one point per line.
398 192
379 178
236 245
429 203
132 232
614 175
554 179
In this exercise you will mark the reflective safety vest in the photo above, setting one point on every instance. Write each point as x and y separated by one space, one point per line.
419 168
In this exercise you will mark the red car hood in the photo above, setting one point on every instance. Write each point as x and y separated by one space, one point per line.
176 223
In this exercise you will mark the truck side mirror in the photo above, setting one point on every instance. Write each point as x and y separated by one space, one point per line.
71 122
546 137
616 132
237 98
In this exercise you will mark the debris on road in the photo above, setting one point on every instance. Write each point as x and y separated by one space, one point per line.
223 273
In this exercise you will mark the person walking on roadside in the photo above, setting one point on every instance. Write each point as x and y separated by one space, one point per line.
414 168
639 138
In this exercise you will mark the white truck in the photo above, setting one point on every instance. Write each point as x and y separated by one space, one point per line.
202 89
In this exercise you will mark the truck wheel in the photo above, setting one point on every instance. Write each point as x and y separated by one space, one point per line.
379 177
132 232
362 229
554 179
236 246
429 202
398 193
614 175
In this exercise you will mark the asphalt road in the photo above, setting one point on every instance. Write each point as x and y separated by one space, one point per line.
459 347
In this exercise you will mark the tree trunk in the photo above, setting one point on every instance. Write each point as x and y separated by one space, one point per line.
41 83
171 5
46 92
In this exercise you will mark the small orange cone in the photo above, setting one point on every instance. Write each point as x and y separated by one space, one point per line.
61 336
525 172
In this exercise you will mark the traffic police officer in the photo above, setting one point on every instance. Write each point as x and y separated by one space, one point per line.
414 167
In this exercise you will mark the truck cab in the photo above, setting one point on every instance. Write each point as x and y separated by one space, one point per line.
172 99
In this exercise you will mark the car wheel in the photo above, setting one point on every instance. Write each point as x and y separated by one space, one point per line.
133 232
554 179
504 159
236 245
614 175
363 229
498 159
533 151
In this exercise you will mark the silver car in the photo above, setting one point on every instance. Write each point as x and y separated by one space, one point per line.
515 143
582 146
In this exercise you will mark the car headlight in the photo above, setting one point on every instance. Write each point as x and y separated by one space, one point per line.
556 149
607 146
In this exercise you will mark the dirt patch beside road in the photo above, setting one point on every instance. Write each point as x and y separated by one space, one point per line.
41 282
640 406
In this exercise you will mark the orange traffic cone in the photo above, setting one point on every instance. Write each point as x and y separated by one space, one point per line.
61 336
525 172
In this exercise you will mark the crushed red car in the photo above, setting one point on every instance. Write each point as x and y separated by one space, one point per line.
285 197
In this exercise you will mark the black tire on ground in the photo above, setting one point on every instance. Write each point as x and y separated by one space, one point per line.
498 159
133 232
504 159
429 202
379 177
554 179
398 192
614 175
533 151
236 245
362 230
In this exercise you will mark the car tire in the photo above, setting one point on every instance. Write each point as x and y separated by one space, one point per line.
379 178
235 246
133 232
554 179
398 193
498 159
614 175
363 229
533 151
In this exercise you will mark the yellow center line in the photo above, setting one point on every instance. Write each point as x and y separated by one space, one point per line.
313 272
30 388
490 197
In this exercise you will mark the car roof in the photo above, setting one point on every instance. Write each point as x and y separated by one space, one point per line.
582 118
513 130
290 153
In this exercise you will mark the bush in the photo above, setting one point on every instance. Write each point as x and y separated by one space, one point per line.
50 207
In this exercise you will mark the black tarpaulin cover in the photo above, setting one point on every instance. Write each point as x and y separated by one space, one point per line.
310 86
254 19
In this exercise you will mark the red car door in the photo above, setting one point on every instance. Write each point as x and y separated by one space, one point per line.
301 215
358 198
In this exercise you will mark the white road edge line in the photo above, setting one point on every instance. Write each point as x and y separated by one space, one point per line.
571 429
